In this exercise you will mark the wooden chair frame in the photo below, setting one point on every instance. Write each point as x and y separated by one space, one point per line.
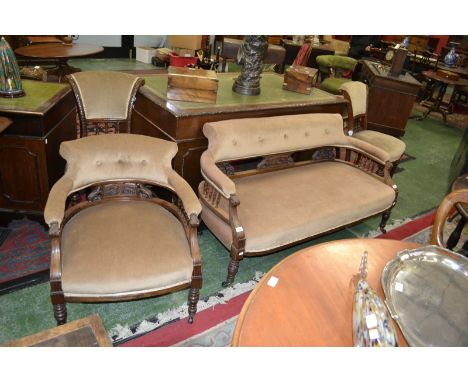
446 206
210 196
124 191
104 125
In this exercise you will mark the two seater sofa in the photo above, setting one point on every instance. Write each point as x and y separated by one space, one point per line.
276 181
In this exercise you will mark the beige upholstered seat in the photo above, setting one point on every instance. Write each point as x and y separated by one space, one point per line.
94 267
356 94
265 188
123 242
105 100
309 212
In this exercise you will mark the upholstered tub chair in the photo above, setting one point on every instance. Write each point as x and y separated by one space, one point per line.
333 65
105 100
134 236
443 212
356 93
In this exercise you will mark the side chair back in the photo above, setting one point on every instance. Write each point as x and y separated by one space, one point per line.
356 93
105 100
445 207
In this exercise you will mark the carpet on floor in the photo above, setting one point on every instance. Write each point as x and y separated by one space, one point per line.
215 326
422 186
25 251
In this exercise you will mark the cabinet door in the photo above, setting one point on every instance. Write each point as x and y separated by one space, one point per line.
23 174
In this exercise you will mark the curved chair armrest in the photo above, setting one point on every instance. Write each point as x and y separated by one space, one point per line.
458 196
186 194
215 176
369 148
55 207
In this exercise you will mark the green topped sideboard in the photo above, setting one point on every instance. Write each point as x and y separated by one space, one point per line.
30 163
182 122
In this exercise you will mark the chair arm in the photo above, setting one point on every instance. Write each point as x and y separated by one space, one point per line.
369 148
447 204
55 207
215 176
184 191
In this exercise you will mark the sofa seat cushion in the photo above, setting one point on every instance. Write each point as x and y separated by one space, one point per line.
281 207
117 248
333 84
393 146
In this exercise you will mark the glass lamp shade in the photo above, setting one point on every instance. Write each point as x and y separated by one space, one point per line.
10 80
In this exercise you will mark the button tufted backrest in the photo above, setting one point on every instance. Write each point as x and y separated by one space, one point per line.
108 157
250 137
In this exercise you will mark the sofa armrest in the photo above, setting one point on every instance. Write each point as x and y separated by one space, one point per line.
215 176
369 148
55 207
184 191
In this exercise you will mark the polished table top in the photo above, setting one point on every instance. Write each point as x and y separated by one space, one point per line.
59 50
433 76
312 301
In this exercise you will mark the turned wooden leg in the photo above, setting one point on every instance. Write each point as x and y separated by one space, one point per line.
193 298
233 267
455 236
384 220
60 313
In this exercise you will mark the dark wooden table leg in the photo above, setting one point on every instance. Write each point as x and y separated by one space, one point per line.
455 235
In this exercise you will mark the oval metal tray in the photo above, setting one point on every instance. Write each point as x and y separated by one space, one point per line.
426 292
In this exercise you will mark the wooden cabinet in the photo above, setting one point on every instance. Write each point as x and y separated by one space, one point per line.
30 163
390 98
182 122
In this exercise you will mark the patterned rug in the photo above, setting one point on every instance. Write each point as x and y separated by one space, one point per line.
25 251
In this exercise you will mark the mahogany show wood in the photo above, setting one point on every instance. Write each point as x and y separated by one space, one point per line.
311 304
85 332
60 50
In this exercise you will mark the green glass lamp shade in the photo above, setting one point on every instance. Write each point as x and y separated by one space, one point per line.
10 80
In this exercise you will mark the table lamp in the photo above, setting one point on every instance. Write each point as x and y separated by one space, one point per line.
10 80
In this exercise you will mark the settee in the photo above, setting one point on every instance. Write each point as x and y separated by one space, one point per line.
276 181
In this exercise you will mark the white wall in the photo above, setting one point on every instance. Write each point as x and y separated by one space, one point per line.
115 40
109 41
155 41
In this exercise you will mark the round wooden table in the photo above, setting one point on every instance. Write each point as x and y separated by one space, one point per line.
312 301
60 53
437 105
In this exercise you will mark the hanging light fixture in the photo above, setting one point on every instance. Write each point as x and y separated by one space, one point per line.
10 80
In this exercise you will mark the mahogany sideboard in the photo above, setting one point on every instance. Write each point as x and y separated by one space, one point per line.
182 122
390 98
30 163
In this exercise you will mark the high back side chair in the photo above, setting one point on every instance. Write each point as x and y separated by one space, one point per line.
105 100
356 93
333 65
134 236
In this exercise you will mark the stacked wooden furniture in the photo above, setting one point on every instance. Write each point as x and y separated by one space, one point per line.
29 148
304 178
391 98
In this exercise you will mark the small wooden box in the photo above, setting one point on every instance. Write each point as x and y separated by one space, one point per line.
193 85
299 79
